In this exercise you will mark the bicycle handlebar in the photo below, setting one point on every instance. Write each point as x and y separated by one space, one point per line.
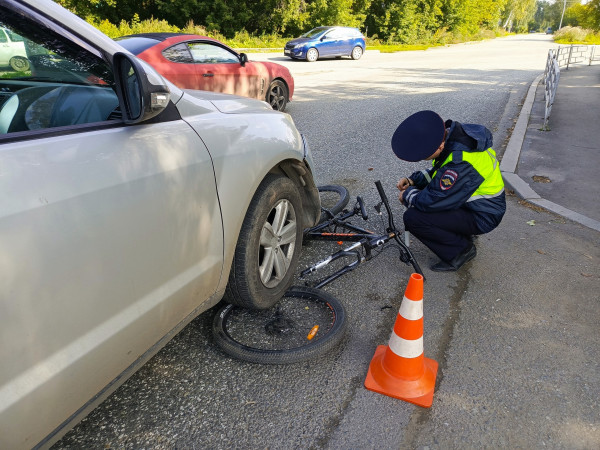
379 187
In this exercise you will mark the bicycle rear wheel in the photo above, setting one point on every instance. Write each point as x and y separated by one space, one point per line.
334 199
280 335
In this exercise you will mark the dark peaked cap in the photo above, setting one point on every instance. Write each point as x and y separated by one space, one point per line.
418 136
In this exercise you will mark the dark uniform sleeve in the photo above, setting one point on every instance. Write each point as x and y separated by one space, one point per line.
451 187
421 178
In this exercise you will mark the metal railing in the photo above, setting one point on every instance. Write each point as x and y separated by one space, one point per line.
551 78
564 56
594 54
569 55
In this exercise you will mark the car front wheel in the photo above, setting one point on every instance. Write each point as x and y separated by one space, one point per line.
356 52
277 95
312 55
268 247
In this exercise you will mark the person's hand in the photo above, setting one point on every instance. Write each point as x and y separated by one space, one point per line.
403 184
401 195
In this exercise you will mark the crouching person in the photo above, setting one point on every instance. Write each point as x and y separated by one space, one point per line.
461 196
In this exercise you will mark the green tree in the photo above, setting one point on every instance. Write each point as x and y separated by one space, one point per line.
593 9
405 21
518 14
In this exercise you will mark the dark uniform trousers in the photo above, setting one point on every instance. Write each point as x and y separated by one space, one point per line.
445 233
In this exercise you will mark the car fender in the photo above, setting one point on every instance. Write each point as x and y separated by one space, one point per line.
245 144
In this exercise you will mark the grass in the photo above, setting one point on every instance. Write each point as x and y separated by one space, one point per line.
576 35
12 74
392 48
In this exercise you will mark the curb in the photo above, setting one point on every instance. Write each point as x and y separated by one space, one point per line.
508 166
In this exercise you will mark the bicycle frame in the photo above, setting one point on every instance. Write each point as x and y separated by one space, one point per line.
362 238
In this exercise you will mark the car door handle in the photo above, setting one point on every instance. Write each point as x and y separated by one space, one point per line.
208 74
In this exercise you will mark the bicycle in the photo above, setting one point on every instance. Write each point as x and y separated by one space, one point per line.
365 240
307 321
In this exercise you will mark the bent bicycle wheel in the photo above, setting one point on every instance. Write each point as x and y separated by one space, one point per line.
305 323
334 199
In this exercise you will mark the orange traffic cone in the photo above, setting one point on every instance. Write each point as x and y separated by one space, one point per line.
400 369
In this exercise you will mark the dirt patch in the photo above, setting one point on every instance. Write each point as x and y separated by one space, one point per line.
541 179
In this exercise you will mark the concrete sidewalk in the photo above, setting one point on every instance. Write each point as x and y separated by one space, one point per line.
522 367
557 169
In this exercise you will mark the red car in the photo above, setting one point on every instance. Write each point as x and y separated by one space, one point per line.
198 62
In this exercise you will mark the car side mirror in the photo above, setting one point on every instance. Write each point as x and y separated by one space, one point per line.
142 92
243 59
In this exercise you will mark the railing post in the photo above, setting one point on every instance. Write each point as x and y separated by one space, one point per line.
548 59
569 60
550 90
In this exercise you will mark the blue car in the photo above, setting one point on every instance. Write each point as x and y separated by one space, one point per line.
324 42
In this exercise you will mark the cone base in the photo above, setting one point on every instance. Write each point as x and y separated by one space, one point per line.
418 392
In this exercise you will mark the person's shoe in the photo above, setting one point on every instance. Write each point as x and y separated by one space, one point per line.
459 260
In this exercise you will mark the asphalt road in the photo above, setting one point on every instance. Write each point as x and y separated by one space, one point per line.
499 328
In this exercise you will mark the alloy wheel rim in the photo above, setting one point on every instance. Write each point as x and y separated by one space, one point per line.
276 98
277 243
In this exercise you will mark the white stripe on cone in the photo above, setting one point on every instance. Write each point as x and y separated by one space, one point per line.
411 309
406 348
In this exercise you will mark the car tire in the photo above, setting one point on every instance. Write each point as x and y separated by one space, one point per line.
277 95
312 55
268 248
19 64
357 52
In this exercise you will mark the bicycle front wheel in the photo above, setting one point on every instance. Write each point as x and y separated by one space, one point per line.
305 323
334 199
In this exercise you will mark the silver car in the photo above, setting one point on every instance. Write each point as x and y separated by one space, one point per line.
127 207
12 51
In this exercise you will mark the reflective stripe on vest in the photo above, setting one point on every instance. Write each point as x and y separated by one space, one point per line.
486 164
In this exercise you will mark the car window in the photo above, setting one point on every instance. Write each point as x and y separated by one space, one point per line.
336 34
52 82
136 44
179 53
314 32
3 36
206 53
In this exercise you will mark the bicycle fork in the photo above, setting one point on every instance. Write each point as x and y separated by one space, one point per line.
352 250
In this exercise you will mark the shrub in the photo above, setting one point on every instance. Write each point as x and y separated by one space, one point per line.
136 26
576 35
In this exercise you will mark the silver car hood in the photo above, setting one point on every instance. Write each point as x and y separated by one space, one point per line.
230 104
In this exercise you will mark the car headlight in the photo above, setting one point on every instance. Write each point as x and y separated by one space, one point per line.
298 46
